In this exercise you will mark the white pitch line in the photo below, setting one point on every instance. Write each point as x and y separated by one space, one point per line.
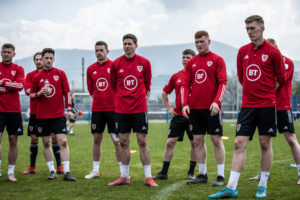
166 192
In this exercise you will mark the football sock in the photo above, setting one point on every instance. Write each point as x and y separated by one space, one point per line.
71 131
264 176
33 153
51 166
66 165
233 180
114 137
298 167
125 171
220 170
165 168
120 164
192 167
147 171
202 168
96 166
11 169
56 151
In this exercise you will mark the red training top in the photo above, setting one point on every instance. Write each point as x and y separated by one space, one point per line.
131 80
51 105
28 86
12 76
98 83
258 71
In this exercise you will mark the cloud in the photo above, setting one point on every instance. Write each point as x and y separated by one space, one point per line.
157 22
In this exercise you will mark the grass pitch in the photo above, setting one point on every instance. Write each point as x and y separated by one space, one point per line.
282 184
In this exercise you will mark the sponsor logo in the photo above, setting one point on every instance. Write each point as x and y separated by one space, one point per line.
217 130
108 70
139 68
200 76
264 57
179 81
101 84
246 57
64 130
285 128
40 129
93 126
13 73
94 72
121 71
144 128
19 130
194 65
253 72
51 91
209 63
270 130
130 82
31 128
56 78
238 127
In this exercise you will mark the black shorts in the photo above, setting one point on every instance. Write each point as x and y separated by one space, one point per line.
100 119
73 120
32 125
201 122
285 121
13 123
137 121
263 117
178 125
52 125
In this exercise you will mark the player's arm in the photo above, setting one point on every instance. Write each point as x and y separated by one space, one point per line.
67 95
18 84
113 76
28 86
185 89
167 90
89 81
147 78
278 63
239 65
290 72
222 83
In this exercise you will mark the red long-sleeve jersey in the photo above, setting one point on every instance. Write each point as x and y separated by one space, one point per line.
206 79
99 86
131 80
27 87
258 70
51 105
283 93
12 76
176 82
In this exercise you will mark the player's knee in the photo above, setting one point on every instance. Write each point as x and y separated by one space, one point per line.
238 145
170 144
142 142
264 145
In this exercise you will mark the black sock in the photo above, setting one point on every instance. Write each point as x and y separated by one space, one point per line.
192 167
33 153
165 167
56 151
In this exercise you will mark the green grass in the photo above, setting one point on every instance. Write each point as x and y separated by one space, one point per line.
282 184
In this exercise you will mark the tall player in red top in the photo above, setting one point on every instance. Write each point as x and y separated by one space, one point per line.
11 82
51 87
103 108
259 66
37 58
285 123
179 124
131 79
205 80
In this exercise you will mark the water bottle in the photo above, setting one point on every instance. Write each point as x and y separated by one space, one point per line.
46 84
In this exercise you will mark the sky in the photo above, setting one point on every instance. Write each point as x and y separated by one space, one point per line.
32 25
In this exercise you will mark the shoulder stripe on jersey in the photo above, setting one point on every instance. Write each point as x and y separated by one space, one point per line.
182 94
15 85
222 93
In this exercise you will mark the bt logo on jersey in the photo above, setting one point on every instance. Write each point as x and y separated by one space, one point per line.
200 76
253 72
101 84
130 82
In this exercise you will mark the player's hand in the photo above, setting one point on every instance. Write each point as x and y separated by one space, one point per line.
71 115
1 81
43 90
186 111
172 112
214 109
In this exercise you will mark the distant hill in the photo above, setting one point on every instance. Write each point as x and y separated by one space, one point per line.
165 60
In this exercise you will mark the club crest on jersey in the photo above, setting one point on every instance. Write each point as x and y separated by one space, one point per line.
31 128
13 73
209 63
264 57
139 68
55 78
108 70
93 126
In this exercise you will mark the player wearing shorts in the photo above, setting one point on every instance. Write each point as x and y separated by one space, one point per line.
37 58
72 120
11 82
205 80
285 123
52 88
103 108
130 77
259 66
179 124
